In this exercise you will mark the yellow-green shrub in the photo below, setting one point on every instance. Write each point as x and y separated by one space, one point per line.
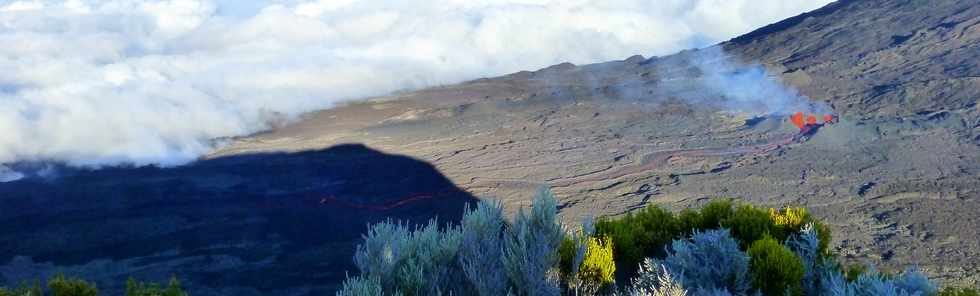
598 265
792 218
749 224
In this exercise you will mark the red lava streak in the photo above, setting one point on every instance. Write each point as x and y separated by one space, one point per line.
333 200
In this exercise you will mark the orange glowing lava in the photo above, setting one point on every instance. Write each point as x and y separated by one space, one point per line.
802 120
797 119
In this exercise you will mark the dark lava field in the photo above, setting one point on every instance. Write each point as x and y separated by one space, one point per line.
897 176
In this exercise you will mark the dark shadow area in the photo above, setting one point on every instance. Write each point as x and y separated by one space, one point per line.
259 224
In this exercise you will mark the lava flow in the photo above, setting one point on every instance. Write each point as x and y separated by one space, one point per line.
400 202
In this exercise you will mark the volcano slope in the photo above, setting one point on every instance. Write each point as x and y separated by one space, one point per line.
897 177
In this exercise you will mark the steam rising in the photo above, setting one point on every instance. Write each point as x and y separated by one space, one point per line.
99 82
748 87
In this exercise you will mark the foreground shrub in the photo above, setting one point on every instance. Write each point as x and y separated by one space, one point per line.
914 281
567 253
653 279
776 269
854 271
871 282
482 247
61 286
571 254
134 288
823 237
749 224
484 255
640 235
712 214
806 246
413 262
710 260
530 248
361 286
792 218
598 266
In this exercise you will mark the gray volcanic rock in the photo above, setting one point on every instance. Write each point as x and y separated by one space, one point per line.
877 58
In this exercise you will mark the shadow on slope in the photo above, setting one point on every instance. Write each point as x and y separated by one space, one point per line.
260 224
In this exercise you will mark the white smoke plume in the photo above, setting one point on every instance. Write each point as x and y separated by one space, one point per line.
738 86
102 82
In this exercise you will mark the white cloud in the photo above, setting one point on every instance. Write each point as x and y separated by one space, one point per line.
93 82
22 6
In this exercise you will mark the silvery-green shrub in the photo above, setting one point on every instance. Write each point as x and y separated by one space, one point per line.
422 261
530 248
361 286
654 279
806 245
481 250
872 283
710 261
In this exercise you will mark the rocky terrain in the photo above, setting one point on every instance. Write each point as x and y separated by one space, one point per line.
897 176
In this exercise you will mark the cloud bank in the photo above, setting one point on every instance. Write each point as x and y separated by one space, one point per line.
102 82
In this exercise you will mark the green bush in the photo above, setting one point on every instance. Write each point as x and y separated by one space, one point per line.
566 255
640 235
714 213
776 269
749 224
61 286
134 288
851 273
710 216
689 221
